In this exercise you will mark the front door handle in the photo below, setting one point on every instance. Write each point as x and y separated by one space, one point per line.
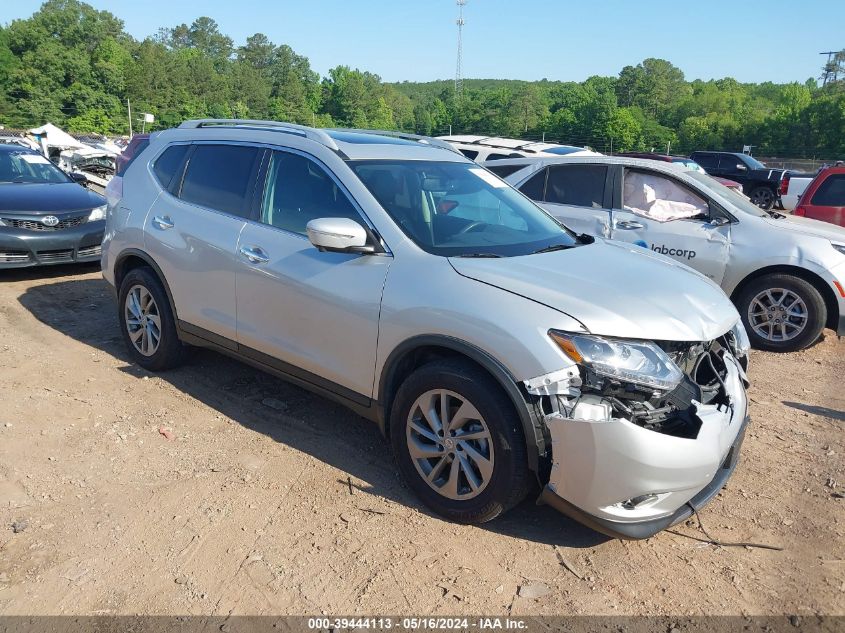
255 254
163 222
628 225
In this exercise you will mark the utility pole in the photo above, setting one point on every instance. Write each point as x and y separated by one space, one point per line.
830 68
129 108
459 79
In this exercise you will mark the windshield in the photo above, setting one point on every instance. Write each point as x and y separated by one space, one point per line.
733 196
29 167
460 209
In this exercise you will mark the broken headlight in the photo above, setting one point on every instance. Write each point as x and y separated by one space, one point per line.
740 343
638 362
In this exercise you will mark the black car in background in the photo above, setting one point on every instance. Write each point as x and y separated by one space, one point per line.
761 184
46 217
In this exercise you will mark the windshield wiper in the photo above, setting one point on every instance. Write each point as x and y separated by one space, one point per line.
478 255
553 247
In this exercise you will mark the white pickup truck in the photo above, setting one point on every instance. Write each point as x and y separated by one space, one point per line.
792 186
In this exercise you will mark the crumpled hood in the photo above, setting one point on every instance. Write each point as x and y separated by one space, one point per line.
614 290
38 198
808 226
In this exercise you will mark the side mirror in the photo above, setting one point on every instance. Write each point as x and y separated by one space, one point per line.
339 235
741 167
79 178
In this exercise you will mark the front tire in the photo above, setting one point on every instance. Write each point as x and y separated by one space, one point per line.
782 313
458 442
147 322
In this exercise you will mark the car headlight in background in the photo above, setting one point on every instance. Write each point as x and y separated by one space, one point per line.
639 362
839 247
740 339
98 213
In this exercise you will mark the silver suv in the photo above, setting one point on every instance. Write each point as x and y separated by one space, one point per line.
495 348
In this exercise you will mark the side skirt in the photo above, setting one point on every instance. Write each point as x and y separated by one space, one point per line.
360 404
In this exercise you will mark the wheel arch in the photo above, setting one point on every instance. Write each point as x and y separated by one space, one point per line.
809 276
419 350
133 258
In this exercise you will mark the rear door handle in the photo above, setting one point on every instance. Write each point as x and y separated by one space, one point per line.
255 254
163 222
628 225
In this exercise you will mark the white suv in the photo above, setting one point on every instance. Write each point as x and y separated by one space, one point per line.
482 149
494 347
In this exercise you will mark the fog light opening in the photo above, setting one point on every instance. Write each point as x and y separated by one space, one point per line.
639 502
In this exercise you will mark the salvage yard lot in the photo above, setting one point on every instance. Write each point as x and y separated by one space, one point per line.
217 489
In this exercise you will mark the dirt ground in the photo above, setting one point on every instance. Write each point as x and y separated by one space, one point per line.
269 500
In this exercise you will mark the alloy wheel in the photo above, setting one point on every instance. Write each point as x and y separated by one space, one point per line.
450 444
763 198
778 314
143 321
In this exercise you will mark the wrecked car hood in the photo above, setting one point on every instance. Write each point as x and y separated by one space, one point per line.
614 290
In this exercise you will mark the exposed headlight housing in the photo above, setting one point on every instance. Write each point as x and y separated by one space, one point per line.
741 343
98 213
839 247
638 362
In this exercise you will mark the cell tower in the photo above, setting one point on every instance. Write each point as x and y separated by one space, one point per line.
459 78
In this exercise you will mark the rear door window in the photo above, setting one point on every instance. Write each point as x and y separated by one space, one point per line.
221 177
577 185
729 163
707 161
166 165
831 193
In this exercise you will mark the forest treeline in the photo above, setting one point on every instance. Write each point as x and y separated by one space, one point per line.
76 66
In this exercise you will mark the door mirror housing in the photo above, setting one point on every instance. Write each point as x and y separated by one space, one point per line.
79 178
338 235
741 167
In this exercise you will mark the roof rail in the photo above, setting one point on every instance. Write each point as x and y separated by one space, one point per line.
304 131
426 140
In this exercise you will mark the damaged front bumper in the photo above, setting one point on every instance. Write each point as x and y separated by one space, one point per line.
631 482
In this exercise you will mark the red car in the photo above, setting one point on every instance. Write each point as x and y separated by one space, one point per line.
683 160
824 197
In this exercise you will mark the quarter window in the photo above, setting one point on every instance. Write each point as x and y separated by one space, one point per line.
469 153
503 171
577 185
831 193
298 191
535 187
221 177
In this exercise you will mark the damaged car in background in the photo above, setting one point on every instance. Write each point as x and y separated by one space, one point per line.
496 348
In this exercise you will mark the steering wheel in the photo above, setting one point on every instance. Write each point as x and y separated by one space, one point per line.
470 227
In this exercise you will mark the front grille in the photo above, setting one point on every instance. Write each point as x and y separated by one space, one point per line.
55 256
89 251
12 257
35 225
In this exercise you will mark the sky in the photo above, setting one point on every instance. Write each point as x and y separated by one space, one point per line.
570 40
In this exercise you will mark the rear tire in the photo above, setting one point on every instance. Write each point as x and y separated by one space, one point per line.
763 197
147 322
470 480
782 313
